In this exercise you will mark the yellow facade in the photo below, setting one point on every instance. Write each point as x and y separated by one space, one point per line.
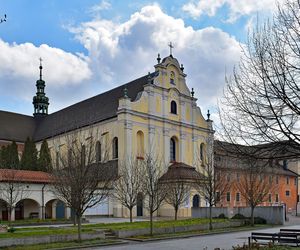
147 124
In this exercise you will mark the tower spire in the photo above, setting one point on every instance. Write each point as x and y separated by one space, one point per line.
41 68
40 100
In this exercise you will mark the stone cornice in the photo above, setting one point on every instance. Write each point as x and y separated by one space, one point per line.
163 119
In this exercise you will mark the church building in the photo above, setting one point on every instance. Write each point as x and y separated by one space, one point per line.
156 113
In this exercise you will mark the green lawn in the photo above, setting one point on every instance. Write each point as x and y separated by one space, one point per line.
36 221
157 224
41 231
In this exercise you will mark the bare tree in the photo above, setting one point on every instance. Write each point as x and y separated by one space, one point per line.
255 184
80 180
262 101
213 185
12 189
177 194
129 183
154 191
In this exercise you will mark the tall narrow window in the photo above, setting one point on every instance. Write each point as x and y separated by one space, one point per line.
140 144
173 107
237 198
202 151
172 149
115 148
228 196
98 151
172 78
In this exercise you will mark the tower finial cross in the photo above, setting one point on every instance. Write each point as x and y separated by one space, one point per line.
41 67
171 47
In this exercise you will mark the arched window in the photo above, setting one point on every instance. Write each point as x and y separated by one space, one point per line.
115 148
98 151
140 144
173 149
196 200
173 107
202 151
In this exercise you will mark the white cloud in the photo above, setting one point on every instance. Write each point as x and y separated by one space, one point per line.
103 5
237 8
19 69
120 52
117 53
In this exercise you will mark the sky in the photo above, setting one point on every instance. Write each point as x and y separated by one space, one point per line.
91 46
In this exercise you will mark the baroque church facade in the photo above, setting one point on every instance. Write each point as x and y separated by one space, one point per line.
155 114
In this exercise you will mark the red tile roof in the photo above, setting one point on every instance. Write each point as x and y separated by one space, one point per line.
25 176
181 171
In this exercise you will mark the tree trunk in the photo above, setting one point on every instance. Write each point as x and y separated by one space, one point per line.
176 211
9 216
210 218
78 217
130 214
151 223
252 216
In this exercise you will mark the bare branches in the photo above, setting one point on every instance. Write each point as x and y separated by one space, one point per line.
80 180
154 191
12 189
177 194
129 183
261 101
213 185
3 19
254 184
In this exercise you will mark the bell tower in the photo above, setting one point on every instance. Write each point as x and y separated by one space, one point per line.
40 100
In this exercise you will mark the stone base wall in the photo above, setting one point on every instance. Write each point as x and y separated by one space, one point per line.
48 239
145 231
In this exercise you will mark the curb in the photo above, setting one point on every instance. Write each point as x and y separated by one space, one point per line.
91 245
188 235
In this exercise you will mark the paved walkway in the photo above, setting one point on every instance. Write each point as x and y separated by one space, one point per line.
224 241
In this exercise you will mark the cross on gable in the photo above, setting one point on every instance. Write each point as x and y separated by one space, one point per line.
171 47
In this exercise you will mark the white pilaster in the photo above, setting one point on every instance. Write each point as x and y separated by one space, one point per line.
128 139
166 146
182 147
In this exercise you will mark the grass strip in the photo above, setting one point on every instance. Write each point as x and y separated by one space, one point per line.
34 232
156 224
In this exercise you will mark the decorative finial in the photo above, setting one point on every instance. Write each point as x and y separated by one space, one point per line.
182 68
125 92
41 67
171 47
208 115
158 58
192 92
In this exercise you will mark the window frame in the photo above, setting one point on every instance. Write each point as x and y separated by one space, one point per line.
173 107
